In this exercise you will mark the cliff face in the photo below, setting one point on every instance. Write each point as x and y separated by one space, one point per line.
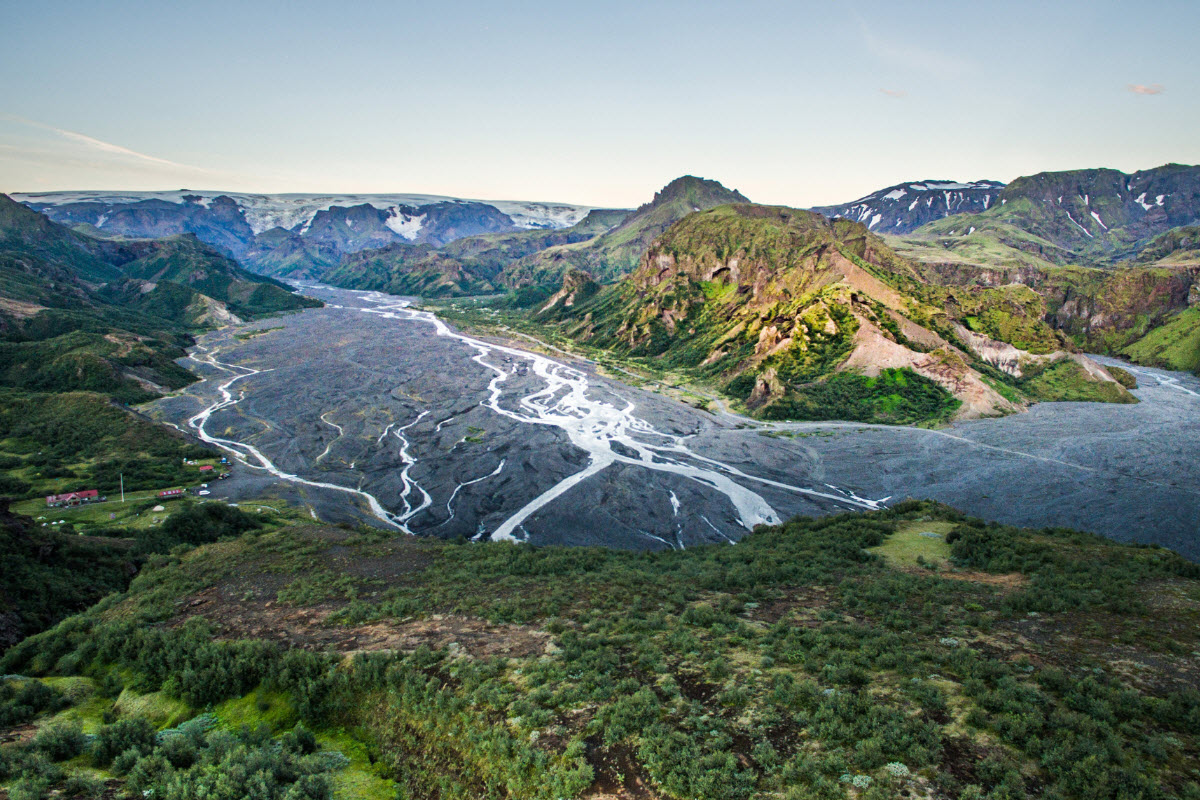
1103 310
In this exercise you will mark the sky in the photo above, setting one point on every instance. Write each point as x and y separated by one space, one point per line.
796 103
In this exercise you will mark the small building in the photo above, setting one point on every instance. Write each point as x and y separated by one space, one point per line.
206 468
170 494
73 499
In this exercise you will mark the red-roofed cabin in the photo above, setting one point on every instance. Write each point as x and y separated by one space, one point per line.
206 468
73 498
167 494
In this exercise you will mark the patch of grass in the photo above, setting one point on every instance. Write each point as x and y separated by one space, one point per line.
362 779
1122 376
260 707
1003 389
87 703
907 548
895 396
162 711
247 335
134 514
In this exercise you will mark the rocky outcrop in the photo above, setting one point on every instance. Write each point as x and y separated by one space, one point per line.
945 366
205 311
1002 355
575 283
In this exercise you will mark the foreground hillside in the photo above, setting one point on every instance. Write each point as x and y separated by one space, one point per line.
800 317
903 653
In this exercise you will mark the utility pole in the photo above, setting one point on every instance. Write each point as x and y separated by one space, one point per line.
122 487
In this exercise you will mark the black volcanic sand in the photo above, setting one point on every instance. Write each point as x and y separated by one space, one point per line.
1126 471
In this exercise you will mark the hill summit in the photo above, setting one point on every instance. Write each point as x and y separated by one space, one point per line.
618 251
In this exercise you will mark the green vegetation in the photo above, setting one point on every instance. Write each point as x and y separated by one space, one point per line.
193 760
54 443
1177 246
895 396
1123 377
252 334
51 572
840 657
918 544
1066 379
1175 345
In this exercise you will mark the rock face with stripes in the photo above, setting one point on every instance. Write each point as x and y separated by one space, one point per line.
907 206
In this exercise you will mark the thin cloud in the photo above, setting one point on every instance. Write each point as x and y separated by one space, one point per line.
1138 88
99 145
894 92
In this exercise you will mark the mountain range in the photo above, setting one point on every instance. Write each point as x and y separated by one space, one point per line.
1096 217
1093 259
79 312
278 233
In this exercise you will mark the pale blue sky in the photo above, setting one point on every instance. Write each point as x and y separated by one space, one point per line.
799 103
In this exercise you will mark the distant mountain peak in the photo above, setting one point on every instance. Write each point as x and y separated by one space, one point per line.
703 192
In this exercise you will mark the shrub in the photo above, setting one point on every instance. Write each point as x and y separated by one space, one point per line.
124 735
29 789
300 740
60 741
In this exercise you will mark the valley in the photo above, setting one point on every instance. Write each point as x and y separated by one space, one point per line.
645 401
368 410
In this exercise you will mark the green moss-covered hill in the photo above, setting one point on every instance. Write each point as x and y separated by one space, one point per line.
905 653
801 317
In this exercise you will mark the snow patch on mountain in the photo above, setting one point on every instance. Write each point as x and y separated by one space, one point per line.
898 211
406 225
